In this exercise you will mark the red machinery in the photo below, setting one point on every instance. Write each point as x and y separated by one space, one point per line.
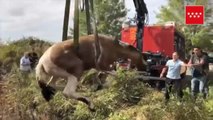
164 39
159 42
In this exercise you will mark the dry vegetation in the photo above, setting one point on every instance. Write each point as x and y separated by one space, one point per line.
122 99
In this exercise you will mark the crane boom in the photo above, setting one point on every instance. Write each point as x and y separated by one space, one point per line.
142 12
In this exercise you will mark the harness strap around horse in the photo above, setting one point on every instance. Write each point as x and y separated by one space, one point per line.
97 41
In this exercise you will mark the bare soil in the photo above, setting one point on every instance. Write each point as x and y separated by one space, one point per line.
7 112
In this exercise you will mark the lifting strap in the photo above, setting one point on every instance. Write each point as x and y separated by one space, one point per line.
95 31
76 24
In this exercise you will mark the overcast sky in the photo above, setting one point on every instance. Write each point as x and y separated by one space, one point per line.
44 18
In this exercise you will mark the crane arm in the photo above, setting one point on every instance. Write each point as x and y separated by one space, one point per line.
142 12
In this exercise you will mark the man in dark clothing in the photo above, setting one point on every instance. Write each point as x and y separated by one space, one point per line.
199 66
33 58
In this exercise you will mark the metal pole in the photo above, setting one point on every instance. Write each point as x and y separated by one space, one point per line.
141 14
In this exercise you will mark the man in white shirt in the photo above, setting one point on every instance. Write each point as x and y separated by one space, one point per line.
173 75
25 63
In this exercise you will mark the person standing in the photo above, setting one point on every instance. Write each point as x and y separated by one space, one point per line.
33 58
173 68
199 69
25 63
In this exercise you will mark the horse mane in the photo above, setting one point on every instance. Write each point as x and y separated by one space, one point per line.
126 45
106 37
133 48
120 43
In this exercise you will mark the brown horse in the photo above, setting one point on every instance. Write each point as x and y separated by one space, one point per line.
64 60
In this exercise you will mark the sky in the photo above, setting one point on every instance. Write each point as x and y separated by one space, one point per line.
44 18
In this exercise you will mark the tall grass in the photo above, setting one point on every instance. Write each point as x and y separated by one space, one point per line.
124 99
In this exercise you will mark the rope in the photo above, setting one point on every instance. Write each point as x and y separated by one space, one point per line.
95 31
76 24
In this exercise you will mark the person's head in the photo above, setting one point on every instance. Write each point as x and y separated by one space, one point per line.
26 54
175 56
197 51
33 49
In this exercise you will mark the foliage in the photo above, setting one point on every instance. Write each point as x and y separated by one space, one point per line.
108 14
124 98
12 52
198 35
82 25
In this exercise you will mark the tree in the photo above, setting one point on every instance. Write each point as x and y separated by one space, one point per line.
82 25
109 14
198 35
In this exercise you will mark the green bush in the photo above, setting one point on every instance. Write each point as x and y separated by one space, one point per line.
12 52
124 98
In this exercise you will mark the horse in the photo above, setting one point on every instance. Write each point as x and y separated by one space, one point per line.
65 60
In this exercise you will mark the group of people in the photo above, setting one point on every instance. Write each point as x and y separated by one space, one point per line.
28 61
198 65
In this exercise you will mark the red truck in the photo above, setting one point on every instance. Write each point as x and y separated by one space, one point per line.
159 42
157 38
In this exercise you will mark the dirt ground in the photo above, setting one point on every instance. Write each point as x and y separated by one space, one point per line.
6 110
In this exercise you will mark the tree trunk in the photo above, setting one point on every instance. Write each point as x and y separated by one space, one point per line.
66 20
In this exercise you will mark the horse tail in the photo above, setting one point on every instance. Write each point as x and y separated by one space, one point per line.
40 72
47 91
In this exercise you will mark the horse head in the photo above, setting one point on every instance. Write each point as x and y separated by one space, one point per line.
137 58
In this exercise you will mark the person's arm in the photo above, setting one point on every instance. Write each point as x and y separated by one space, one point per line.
183 67
186 65
201 63
163 71
23 61
190 62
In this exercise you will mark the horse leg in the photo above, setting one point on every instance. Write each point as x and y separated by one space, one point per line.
104 63
47 91
101 79
70 92
52 83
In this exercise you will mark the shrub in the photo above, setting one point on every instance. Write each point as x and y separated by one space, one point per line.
125 98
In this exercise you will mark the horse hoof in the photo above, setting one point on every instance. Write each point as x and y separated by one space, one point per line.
99 87
92 109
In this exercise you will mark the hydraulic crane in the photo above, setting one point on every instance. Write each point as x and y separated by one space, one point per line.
142 13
